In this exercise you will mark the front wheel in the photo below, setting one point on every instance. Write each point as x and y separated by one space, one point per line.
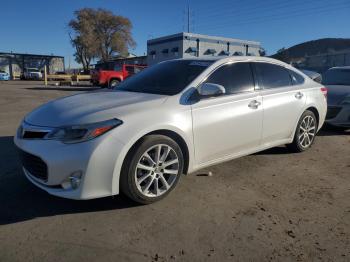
305 132
113 83
152 169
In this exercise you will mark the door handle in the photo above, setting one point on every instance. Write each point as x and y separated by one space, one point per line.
254 104
299 95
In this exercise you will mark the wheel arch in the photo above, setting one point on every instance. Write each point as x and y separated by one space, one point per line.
314 110
171 134
114 78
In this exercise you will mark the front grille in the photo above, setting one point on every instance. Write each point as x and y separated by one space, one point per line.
34 165
332 112
34 135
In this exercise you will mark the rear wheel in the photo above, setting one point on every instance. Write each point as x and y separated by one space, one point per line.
305 133
113 83
152 169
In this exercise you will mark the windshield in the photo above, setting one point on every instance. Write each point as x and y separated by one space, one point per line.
167 78
337 77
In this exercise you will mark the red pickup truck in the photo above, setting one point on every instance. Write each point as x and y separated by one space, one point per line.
110 74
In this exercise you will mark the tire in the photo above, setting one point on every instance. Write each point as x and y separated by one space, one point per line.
113 83
305 132
142 176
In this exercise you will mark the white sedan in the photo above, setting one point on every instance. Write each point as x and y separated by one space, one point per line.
171 119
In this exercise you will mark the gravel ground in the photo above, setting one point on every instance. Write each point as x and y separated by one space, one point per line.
270 206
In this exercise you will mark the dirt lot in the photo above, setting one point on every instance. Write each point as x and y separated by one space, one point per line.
269 206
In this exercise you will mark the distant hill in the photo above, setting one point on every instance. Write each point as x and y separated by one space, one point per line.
315 47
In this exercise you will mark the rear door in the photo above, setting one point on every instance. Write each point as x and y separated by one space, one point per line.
283 101
231 123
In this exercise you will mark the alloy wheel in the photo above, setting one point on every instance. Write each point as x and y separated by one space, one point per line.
307 131
156 170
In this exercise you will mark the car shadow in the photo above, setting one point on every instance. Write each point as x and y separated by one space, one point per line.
21 201
281 150
333 131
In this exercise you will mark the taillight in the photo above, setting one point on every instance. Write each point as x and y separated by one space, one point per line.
324 91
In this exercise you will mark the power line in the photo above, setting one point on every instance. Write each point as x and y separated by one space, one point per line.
239 6
279 16
251 10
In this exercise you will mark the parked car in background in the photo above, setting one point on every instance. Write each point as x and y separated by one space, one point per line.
317 77
32 74
4 75
337 81
110 74
171 119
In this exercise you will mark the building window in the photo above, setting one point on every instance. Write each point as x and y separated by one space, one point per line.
222 53
175 50
192 51
237 54
153 54
210 51
165 51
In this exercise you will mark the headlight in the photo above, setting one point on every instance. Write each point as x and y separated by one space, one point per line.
346 101
81 133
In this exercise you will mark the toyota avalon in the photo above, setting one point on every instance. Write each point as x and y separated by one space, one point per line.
173 118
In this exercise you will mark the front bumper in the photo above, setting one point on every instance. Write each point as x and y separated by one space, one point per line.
338 116
96 159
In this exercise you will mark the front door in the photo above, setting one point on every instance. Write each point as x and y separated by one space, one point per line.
231 123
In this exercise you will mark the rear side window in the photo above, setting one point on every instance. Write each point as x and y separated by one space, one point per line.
235 78
297 79
273 76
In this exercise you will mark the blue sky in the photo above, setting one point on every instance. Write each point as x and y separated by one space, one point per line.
40 26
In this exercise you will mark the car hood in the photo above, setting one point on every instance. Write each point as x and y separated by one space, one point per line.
91 107
337 93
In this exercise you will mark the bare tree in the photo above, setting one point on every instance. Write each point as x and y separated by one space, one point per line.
98 33
113 34
82 37
82 55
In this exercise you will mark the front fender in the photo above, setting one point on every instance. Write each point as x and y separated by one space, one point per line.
123 153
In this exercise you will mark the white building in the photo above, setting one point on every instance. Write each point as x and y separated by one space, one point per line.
184 45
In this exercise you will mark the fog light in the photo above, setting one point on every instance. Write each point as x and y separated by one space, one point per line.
75 179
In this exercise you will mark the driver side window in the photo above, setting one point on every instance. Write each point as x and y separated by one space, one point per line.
235 78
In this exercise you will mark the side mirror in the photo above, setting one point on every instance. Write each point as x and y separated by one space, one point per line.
210 89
